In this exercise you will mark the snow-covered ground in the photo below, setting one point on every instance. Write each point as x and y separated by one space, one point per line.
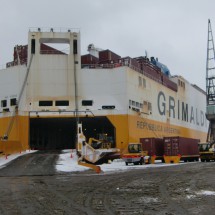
67 162
6 159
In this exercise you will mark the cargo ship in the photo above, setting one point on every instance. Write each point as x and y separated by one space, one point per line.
45 92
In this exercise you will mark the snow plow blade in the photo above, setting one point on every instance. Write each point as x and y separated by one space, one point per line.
97 169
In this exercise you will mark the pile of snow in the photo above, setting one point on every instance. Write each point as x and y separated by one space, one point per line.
67 162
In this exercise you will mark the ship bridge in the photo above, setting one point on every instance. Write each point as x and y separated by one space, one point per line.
52 91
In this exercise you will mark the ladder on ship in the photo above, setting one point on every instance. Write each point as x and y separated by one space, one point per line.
14 113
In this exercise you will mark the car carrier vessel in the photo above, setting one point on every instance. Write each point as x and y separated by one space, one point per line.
45 92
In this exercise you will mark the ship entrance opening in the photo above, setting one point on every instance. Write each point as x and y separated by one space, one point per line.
60 133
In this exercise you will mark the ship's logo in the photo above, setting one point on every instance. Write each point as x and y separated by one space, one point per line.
180 110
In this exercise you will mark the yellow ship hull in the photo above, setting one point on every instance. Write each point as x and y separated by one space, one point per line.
128 128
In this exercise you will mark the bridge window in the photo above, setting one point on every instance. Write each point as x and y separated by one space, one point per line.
13 102
62 103
144 82
87 102
140 81
45 103
4 103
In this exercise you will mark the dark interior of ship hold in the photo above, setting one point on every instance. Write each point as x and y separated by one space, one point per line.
60 133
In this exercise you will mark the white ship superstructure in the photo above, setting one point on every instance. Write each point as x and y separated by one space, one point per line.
44 95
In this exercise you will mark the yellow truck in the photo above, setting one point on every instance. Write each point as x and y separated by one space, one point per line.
147 151
207 152
135 154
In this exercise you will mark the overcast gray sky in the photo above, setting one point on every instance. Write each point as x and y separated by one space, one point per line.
175 31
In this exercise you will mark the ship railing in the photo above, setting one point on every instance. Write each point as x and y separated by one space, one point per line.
98 66
54 29
58 52
11 64
15 63
104 65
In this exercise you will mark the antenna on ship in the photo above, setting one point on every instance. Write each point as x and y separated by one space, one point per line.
146 53
210 85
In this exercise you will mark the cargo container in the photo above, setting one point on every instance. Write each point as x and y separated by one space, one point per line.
108 55
20 54
45 49
180 148
128 61
88 59
20 51
155 73
154 147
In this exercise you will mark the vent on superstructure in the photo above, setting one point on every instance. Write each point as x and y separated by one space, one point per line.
108 107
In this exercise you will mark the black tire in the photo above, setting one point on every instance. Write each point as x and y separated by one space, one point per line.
126 163
141 161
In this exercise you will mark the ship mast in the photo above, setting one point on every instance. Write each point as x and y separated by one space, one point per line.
210 85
